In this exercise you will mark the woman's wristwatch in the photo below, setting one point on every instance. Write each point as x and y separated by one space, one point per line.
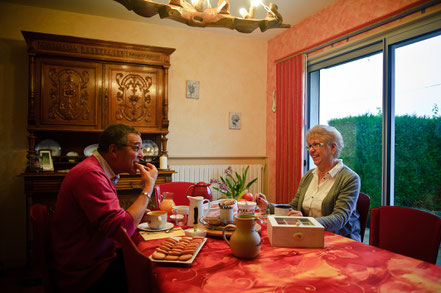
146 194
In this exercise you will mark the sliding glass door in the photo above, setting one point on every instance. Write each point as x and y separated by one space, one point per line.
417 96
383 94
350 100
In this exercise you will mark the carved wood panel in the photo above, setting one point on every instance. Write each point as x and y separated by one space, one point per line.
70 93
135 96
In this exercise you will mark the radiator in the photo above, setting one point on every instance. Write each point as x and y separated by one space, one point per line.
198 173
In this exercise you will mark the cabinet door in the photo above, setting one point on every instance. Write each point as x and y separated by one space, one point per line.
69 94
135 96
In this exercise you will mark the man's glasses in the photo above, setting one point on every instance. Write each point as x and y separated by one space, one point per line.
315 145
137 148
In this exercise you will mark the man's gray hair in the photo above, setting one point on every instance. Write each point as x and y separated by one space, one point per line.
115 134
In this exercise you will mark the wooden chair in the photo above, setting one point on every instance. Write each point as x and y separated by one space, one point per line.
138 267
179 190
41 220
407 231
363 204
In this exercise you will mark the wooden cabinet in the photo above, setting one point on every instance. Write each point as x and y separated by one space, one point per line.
79 86
136 96
67 95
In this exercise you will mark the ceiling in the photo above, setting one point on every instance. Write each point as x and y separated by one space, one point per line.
292 11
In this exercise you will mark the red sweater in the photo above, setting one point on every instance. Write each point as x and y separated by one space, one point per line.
86 217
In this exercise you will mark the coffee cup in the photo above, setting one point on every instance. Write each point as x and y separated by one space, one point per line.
226 215
246 207
282 209
157 219
180 214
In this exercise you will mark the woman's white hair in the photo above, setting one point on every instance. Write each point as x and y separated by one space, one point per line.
329 134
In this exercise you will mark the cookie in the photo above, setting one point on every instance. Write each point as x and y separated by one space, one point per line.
189 251
158 255
164 251
172 257
185 257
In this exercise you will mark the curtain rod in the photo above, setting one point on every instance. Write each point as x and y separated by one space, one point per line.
367 28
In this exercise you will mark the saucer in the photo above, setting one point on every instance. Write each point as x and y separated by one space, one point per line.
145 227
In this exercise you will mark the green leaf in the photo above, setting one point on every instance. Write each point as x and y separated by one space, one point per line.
251 183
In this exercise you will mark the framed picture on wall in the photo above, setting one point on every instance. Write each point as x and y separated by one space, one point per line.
235 120
46 160
192 89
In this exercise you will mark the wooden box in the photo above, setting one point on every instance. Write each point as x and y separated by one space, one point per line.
288 231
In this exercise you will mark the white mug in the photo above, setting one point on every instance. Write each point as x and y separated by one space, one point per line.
157 219
226 215
246 207
282 209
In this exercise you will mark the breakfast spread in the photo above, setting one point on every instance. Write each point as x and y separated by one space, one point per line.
181 249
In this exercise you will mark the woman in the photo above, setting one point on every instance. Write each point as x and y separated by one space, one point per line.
329 192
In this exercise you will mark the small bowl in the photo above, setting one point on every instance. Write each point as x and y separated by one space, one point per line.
199 232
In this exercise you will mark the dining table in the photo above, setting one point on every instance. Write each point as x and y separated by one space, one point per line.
342 265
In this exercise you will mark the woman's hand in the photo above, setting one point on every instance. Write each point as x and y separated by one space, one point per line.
261 201
295 213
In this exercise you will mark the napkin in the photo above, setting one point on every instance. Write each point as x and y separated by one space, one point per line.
176 232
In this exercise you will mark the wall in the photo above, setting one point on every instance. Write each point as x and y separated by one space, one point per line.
335 20
231 71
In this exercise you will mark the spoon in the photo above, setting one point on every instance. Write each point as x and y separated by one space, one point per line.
169 230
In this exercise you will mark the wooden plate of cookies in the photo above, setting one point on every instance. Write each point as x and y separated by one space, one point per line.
178 250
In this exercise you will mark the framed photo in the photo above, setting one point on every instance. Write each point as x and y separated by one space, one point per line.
46 160
192 89
235 120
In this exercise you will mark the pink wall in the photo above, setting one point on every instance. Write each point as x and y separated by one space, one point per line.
337 19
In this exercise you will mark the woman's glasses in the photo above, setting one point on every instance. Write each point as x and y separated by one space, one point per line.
315 145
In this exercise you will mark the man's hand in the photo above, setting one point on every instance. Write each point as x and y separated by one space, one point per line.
149 173
144 217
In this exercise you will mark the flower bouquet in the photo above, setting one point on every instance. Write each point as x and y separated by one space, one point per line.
233 185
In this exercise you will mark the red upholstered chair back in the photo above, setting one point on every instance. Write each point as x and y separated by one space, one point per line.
178 188
407 231
363 204
41 221
138 267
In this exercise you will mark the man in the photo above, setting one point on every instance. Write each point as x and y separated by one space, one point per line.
88 214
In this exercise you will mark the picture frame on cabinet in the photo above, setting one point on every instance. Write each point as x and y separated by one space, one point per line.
46 160
235 120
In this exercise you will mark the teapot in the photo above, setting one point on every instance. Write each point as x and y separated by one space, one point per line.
200 189
245 241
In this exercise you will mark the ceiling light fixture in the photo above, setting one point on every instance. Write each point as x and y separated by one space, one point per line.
199 13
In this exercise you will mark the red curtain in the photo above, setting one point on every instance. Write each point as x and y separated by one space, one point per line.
289 127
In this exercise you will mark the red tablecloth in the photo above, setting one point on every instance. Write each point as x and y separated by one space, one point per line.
343 265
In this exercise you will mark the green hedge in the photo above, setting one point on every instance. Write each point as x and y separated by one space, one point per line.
417 158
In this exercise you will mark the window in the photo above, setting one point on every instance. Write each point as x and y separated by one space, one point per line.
417 96
383 94
351 100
